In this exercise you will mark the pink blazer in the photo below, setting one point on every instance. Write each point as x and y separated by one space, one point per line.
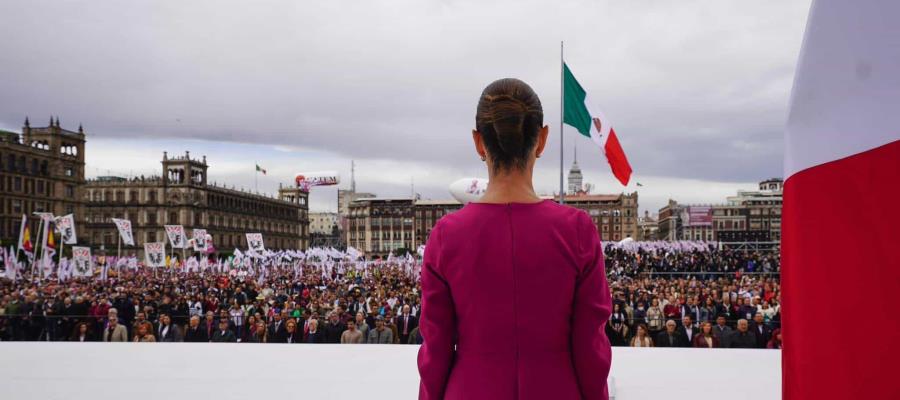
514 302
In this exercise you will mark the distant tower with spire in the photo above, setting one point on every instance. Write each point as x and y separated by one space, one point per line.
575 177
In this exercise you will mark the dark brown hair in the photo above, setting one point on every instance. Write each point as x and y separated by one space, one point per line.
509 116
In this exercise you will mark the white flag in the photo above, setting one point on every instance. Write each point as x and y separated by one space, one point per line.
199 236
255 242
81 261
65 225
155 254
176 236
124 227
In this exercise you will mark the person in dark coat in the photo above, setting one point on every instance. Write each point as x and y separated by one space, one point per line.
276 328
291 334
195 333
167 331
688 331
223 334
669 337
722 331
406 323
334 329
742 338
762 331
314 335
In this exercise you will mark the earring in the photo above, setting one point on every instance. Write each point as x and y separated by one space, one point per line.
482 158
538 156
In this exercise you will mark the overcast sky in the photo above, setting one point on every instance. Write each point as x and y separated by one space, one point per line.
697 90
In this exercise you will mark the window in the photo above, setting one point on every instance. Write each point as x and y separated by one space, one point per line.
70 191
69 171
173 218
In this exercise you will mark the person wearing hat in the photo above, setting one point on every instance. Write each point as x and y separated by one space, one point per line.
381 334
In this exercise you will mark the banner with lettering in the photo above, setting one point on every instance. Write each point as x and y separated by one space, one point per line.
199 236
124 227
155 254
255 242
65 225
81 262
176 236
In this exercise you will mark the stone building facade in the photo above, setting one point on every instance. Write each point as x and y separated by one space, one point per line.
41 170
615 215
183 196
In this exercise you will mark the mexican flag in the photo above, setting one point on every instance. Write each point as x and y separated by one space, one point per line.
580 113
25 237
260 169
839 229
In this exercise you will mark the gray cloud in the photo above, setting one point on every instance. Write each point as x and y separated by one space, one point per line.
696 89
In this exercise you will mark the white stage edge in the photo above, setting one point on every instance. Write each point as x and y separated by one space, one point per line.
120 371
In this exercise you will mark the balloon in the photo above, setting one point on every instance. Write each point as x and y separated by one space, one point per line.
468 189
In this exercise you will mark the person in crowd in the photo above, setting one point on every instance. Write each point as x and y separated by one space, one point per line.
639 314
672 309
415 337
742 338
223 333
670 337
775 341
194 333
82 333
260 334
654 318
641 337
389 323
351 335
209 322
406 323
277 328
687 331
334 328
114 331
722 331
361 325
291 333
380 334
168 332
616 330
314 335
708 311
762 331
144 333
690 309
705 338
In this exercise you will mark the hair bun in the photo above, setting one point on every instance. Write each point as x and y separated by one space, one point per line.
509 116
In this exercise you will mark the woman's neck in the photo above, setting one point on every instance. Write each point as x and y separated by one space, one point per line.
510 187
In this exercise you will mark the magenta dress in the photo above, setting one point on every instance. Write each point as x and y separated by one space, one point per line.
514 302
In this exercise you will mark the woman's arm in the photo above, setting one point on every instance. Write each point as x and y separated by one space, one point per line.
591 353
437 325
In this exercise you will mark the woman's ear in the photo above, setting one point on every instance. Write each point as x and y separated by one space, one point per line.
479 145
542 141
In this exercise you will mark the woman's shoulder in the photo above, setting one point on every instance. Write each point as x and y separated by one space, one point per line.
547 209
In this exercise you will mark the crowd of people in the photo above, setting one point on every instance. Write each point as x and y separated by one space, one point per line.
662 297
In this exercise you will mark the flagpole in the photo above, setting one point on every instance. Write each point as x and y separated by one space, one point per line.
62 247
37 260
256 176
562 102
